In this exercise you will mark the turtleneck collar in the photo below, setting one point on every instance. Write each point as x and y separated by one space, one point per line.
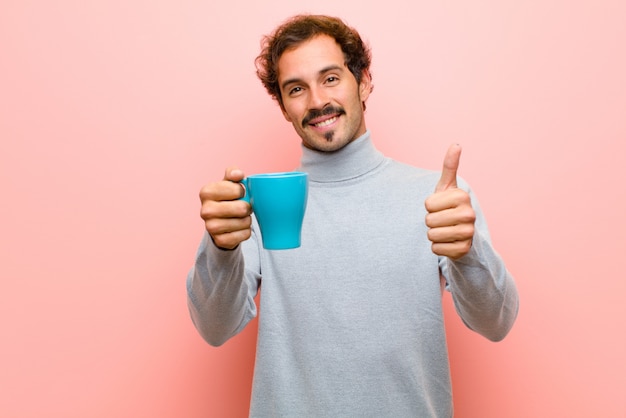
355 159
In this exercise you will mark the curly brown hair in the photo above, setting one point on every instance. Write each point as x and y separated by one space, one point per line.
301 28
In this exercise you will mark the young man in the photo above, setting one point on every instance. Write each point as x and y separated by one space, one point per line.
351 322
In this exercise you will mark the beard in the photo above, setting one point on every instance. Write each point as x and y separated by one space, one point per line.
328 110
330 139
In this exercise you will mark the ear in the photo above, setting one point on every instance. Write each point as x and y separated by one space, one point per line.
365 87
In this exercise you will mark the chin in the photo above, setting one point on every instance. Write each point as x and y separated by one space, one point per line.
326 142
327 146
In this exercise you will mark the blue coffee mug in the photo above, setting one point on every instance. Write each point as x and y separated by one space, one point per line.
278 201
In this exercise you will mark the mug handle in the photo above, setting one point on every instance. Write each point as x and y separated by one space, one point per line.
246 196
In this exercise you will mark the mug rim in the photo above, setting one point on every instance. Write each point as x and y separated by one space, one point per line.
282 174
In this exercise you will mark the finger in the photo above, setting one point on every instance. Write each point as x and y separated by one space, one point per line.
211 209
229 241
217 226
451 217
453 250
450 167
447 199
221 191
449 234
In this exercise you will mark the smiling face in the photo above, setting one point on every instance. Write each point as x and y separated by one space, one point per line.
320 96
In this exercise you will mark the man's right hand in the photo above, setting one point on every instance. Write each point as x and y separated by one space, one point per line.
226 218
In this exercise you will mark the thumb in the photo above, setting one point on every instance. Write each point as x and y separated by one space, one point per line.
450 167
233 174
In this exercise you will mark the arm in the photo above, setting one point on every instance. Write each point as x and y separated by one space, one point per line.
483 290
221 288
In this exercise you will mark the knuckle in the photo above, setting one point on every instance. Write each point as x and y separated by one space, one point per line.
437 235
465 232
208 210
212 226
436 249
221 191
466 214
221 241
461 194
462 197
429 203
242 209
246 234
207 191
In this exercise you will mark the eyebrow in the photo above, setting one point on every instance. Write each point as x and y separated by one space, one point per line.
324 70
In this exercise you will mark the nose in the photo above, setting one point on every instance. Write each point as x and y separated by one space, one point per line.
317 98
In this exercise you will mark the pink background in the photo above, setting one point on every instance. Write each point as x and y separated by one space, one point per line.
113 114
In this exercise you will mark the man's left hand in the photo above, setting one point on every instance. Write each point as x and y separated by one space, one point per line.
450 217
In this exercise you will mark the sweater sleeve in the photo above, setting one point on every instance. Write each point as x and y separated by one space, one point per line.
483 290
221 287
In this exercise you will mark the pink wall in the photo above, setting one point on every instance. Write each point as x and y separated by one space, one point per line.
114 113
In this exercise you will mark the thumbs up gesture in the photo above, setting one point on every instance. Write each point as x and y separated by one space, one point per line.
450 217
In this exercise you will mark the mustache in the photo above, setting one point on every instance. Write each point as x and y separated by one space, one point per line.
316 113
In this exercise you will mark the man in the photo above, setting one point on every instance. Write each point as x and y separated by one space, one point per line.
351 322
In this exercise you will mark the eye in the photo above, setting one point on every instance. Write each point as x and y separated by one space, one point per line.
332 79
294 91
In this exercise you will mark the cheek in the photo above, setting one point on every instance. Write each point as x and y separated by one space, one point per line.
287 114
291 113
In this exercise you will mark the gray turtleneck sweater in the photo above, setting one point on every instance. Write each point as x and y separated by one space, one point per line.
351 323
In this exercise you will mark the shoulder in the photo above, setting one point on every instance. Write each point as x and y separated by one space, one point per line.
412 172
419 177
407 173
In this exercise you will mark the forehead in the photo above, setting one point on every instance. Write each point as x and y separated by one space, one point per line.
309 57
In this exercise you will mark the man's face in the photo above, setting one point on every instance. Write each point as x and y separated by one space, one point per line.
321 97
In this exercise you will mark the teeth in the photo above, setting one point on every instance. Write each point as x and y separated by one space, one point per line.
326 122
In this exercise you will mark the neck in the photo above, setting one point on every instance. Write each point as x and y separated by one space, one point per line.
355 159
